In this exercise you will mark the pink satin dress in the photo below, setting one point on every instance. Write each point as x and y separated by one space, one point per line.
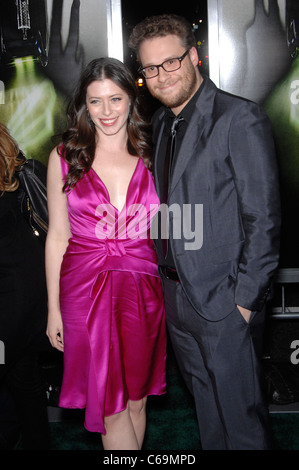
111 300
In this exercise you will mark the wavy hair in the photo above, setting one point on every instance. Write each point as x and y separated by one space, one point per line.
79 140
161 26
10 160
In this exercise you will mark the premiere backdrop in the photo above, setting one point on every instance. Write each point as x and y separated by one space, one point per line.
254 53
44 46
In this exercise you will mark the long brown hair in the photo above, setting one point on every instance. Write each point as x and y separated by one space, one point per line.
79 140
10 160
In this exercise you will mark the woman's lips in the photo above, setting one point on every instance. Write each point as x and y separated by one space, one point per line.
108 122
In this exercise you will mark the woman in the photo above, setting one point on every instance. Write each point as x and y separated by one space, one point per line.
105 298
23 304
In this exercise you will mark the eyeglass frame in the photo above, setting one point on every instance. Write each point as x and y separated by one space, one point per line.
142 69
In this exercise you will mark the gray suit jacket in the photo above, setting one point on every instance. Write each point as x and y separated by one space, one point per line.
227 168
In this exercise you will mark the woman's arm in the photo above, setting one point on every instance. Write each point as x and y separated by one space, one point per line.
56 243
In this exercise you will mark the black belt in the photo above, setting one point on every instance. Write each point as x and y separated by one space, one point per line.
169 273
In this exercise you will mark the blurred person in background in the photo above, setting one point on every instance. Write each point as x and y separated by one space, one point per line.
23 304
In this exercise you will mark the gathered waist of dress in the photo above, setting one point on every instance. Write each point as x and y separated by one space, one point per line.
116 244
110 254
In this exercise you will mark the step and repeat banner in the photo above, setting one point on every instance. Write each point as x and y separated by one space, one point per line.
254 53
44 46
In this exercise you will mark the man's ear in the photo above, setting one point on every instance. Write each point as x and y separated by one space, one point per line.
193 56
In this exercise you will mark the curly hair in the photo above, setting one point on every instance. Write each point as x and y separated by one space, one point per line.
160 26
10 160
79 140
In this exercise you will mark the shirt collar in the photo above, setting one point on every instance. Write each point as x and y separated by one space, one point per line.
187 111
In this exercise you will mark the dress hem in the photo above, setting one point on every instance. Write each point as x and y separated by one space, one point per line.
82 407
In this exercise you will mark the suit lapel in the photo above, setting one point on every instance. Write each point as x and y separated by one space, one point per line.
192 140
157 176
186 152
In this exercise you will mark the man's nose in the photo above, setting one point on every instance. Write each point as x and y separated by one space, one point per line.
163 75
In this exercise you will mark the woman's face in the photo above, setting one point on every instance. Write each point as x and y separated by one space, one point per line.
108 107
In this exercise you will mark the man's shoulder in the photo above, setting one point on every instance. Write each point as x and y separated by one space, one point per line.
234 101
157 120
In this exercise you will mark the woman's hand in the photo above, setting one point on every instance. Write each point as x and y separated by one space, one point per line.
55 331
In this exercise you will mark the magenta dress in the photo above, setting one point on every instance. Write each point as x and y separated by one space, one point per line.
111 300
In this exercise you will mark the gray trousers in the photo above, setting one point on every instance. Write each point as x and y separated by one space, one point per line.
221 365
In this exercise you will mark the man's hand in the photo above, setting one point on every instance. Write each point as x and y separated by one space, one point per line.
245 313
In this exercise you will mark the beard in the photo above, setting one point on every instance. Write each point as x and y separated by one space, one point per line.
188 88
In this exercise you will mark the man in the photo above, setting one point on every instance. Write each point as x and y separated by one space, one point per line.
215 290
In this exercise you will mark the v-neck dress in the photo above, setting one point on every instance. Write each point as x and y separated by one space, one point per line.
111 300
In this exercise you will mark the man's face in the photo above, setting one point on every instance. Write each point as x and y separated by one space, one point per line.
173 89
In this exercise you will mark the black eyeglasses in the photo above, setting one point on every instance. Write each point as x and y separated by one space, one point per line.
169 65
